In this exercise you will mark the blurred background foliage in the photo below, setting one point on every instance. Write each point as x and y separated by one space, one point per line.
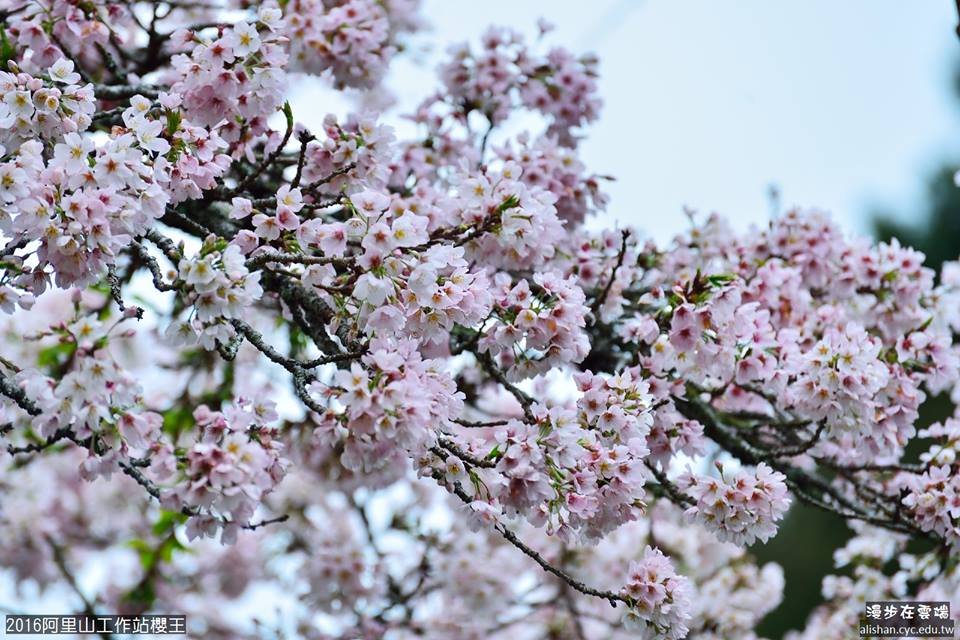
934 228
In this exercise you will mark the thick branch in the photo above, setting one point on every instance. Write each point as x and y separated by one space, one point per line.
800 482
15 393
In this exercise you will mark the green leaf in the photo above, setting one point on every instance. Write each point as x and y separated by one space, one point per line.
7 50
177 420
171 544
53 357
173 121
143 595
144 551
510 203
719 279
167 522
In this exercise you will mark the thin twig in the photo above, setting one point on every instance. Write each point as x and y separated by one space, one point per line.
526 402
466 456
610 596
267 161
305 138
60 560
673 491
598 302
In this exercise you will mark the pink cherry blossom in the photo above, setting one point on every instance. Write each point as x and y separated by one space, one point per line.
407 381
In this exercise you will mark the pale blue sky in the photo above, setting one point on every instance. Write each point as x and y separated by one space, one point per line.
840 103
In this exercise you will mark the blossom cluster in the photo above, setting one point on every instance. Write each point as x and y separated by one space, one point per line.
934 501
48 30
555 168
90 398
579 472
350 155
616 415
46 107
505 73
536 328
387 408
239 77
352 39
406 285
672 432
838 331
438 293
236 460
838 379
83 205
741 508
197 155
458 347
520 223
219 287
661 605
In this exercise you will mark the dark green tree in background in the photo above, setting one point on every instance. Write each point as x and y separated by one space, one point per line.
806 540
935 232
934 228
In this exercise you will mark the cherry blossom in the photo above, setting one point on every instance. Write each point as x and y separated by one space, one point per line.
352 39
392 370
660 596
741 509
